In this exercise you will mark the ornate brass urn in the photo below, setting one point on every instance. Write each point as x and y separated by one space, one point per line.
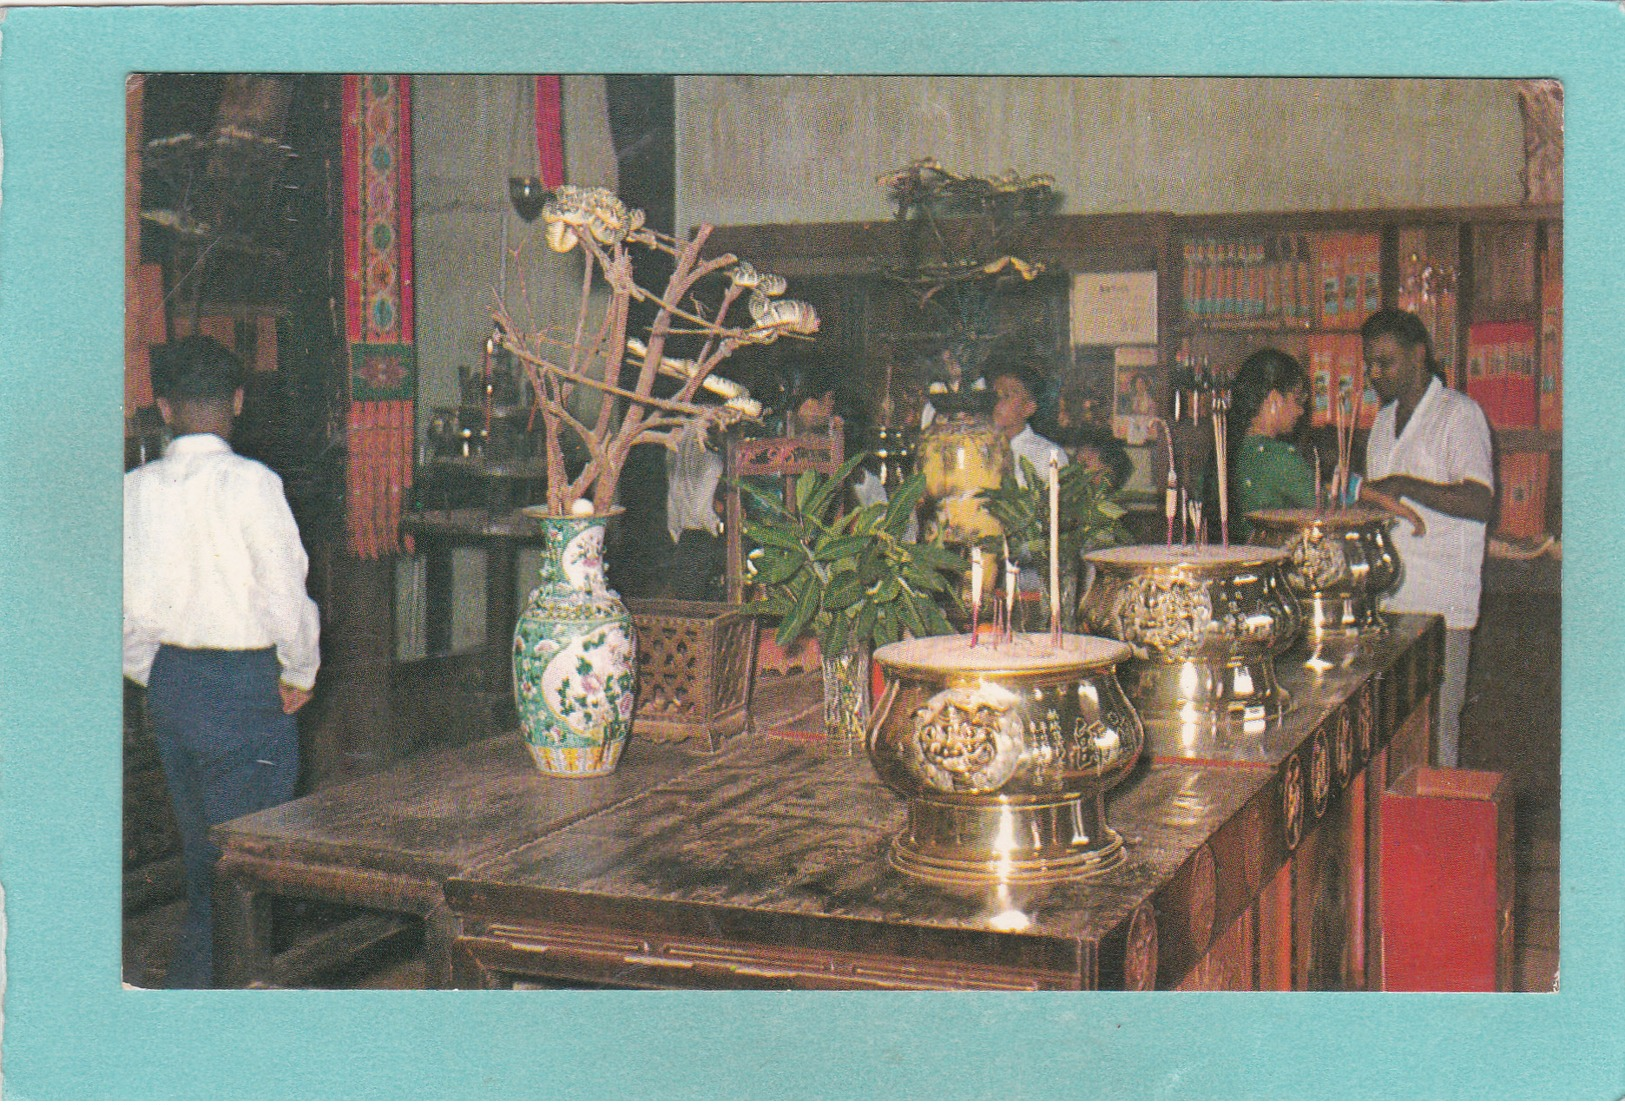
1340 562
1004 752
1205 624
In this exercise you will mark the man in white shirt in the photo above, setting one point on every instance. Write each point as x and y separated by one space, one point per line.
217 624
1430 446
1015 385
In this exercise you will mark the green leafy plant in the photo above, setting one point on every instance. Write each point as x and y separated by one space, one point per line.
850 579
1090 514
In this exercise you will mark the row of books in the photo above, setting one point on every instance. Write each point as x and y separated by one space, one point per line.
1337 379
1502 373
1266 279
1328 281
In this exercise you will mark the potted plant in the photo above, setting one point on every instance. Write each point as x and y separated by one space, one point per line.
1090 515
594 388
849 578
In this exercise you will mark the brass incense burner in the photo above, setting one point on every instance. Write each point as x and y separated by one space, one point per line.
1340 562
1004 752
1205 624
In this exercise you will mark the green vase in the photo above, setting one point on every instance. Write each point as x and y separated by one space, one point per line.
574 656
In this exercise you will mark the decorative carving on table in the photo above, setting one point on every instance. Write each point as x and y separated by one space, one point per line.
1140 955
1292 801
1365 726
1203 897
1320 771
1252 853
1343 747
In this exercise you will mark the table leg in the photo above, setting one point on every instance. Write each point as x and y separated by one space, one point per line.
440 929
242 933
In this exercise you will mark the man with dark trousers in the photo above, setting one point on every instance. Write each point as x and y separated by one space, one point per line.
217 623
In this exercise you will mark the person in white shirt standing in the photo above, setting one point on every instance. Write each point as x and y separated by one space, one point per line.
1430 446
217 623
1016 383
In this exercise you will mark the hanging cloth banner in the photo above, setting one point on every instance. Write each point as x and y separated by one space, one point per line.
377 139
550 131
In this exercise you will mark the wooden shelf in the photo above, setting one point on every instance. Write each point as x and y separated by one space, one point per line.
1519 440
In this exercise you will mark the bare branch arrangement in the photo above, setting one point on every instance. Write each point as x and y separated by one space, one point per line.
629 413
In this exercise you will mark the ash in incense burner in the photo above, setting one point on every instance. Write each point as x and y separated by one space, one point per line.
1005 751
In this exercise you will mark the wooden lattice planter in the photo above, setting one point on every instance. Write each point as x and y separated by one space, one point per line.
696 664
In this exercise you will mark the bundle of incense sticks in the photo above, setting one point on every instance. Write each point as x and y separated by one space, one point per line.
1320 491
1347 417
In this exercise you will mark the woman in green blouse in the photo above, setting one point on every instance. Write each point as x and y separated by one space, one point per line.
1267 399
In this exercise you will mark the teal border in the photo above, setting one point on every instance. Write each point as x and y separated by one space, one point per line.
71 1032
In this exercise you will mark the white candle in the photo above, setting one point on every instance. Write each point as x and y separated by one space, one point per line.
975 590
1009 592
1054 544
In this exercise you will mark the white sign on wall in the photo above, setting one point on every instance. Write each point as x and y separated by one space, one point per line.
1114 308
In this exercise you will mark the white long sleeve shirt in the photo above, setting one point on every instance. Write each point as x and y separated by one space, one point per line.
1036 449
212 559
1447 440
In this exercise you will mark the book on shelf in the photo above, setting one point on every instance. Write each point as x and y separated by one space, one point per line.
1551 333
1501 373
1523 478
1337 374
1350 267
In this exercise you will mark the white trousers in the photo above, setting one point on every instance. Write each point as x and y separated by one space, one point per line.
1458 647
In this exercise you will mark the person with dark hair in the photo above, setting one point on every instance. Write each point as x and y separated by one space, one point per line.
1095 449
1017 384
1430 448
1268 395
217 624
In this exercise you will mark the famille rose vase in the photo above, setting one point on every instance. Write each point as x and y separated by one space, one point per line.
574 656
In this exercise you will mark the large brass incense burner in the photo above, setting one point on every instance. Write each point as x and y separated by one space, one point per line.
1340 562
1205 624
1004 752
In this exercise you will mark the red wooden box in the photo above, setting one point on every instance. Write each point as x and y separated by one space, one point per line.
1446 881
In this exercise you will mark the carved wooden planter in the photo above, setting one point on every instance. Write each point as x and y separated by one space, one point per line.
696 664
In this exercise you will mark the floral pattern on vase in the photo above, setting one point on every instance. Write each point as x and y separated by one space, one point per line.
574 655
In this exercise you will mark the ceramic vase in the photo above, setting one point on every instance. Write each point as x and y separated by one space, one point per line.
574 656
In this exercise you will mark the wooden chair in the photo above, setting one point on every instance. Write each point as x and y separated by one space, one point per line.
783 458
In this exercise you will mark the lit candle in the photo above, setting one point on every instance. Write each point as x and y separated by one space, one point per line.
975 593
1170 504
1010 572
1055 548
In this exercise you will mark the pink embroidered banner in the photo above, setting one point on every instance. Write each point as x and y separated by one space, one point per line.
377 163
550 131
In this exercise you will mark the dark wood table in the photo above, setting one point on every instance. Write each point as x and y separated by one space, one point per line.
388 842
1250 865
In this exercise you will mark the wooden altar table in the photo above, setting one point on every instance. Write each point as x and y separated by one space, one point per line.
1251 864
